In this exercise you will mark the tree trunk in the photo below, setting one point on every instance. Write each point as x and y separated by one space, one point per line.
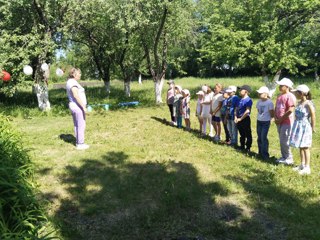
40 87
107 86
272 85
140 79
158 85
127 88
106 79
316 76
127 83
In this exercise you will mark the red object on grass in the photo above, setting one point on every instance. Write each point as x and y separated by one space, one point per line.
6 76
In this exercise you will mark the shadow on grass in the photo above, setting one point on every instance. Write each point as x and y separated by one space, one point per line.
113 198
197 133
293 216
68 138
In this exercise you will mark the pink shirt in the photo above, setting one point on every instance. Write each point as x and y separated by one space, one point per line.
170 96
283 103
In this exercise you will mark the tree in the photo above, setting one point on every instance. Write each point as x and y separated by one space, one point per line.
266 34
161 23
28 32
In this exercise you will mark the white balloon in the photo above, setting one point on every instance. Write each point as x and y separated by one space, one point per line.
44 66
59 72
27 70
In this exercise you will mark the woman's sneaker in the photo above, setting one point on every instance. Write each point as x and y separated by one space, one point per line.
82 146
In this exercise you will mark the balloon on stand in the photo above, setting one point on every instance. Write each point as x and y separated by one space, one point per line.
5 76
59 72
44 67
27 70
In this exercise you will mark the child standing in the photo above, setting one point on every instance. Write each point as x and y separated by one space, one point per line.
301 134
232 102
224 120
216 114
265 114
177 105
185 107
284 118
242 118
170 100
199 108
206 109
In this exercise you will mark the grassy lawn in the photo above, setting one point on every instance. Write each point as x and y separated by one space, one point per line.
143 179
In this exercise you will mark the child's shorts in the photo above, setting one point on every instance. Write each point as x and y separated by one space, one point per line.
216 119
186 115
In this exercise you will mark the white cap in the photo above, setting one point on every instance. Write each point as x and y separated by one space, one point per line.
186 91
204 88
200 93
285 82
263 89
302 88
231 89
178 87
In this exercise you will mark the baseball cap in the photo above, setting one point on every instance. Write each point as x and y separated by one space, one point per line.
231 89
245 87
263 89
285 82
178 87
204 88
200 93
302 88
186 91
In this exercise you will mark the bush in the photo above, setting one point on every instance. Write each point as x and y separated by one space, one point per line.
21 216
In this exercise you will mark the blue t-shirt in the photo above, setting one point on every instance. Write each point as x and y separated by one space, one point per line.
223 109
243 104
232 102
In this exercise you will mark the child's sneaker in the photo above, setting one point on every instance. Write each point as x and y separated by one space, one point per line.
298 168
82 146
216 139
287 161
305 171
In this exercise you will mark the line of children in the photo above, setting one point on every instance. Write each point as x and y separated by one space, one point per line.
235 112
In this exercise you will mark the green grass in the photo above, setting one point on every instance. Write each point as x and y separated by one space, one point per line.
142 179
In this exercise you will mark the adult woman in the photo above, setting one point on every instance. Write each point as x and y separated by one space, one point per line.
77 106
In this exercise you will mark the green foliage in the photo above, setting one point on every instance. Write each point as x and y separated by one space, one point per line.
20 214
267 34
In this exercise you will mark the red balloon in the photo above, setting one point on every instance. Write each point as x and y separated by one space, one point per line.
5 76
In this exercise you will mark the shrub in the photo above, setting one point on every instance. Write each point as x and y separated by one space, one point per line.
21 216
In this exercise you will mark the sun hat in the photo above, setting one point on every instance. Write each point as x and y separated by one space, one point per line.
263 89
170 82
178 87
245 87
200 93
231 89
301 88
285 82
186 91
